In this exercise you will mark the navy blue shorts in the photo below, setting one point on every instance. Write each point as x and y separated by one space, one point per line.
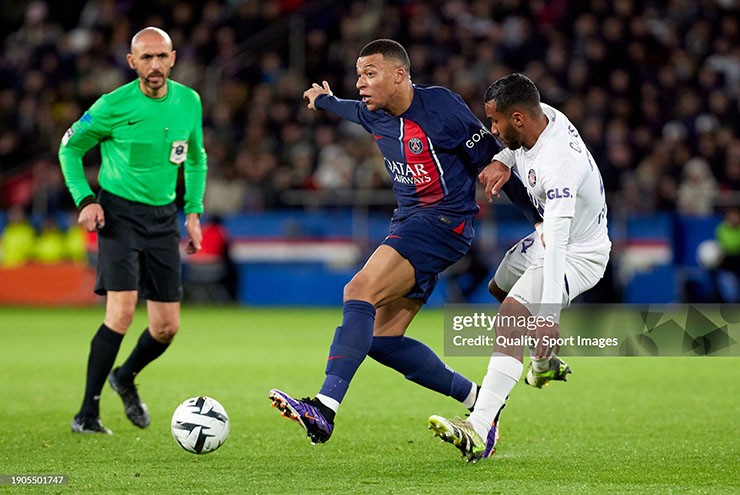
431 242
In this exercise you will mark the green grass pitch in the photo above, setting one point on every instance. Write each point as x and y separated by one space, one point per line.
620 425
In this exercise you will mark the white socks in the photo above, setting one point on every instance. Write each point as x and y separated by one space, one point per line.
503 373
470 399
332 404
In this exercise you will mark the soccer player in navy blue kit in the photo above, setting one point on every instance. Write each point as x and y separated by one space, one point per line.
434 148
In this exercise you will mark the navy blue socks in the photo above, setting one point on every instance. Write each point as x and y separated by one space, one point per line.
421 365
351 344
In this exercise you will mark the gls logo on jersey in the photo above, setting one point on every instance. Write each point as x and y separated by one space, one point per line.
558 193
475 138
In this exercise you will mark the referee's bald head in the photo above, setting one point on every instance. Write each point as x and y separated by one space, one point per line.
148 32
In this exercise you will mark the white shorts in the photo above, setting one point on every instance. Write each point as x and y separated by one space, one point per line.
518 258
520 273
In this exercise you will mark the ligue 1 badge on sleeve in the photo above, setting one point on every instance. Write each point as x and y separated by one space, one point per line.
65 139
179 152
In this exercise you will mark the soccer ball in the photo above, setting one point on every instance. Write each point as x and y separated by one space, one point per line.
200 425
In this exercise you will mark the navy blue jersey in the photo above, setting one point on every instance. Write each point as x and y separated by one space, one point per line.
433 151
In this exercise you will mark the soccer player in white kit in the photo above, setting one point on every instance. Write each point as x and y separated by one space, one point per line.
544 272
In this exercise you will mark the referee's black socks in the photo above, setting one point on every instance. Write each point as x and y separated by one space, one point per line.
147 350
103 350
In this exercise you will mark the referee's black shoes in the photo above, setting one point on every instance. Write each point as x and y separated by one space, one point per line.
89 424
136 410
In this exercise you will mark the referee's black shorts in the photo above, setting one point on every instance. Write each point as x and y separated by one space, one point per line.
138 249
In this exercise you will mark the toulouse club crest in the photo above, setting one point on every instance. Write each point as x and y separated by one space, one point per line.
415 146
532 177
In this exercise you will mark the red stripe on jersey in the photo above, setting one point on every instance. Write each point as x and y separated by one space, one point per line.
422 164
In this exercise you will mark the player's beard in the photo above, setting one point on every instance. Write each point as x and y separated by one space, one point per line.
155 80
511 140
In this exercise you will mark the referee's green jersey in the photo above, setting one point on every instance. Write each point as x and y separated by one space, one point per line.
143 142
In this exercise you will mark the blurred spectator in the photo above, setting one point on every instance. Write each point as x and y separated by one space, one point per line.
50 247
215 245
335 168
728 274
697 190
210 274
75 241
225 192
18 239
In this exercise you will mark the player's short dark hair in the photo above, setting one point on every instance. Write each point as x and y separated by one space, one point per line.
389 49
514 90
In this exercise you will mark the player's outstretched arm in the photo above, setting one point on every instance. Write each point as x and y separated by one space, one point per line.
314 91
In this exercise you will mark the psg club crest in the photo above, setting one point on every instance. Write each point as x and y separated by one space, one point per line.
416 146
532 177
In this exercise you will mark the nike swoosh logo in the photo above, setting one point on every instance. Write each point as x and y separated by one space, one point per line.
377 138
132 122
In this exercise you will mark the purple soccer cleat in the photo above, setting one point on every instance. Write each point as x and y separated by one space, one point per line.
306 413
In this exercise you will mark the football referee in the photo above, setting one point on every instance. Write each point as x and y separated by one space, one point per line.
147 129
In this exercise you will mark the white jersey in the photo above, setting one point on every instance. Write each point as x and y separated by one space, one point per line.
564 184
562 180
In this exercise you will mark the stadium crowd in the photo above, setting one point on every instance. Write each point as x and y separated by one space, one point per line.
654 87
